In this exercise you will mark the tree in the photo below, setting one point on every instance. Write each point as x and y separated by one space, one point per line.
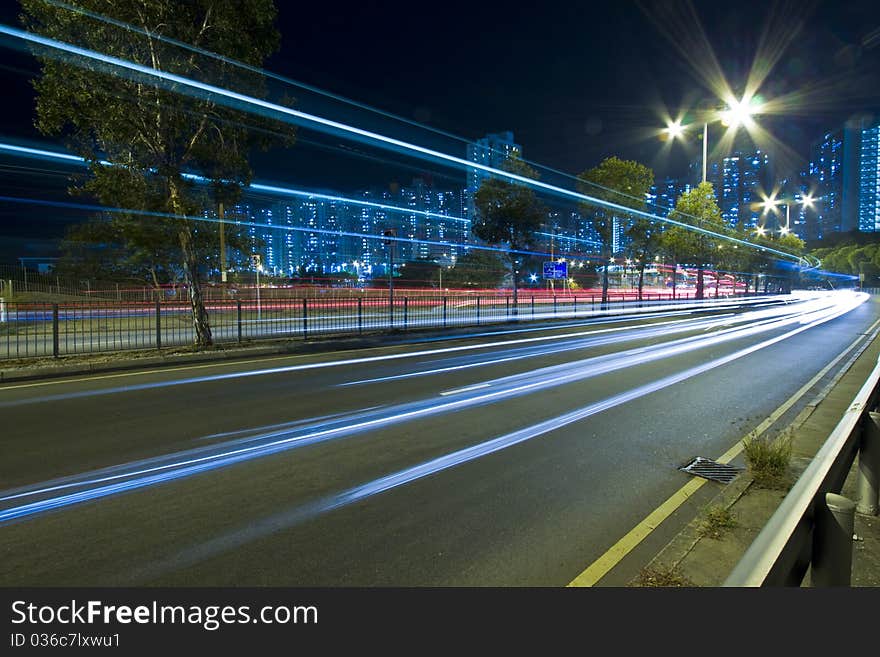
793 244
477 269
508 215
125 247
418 273
142 142
624 182
645 238
697 207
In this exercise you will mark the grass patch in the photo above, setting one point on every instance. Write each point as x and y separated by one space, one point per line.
660 577
717 520
768 460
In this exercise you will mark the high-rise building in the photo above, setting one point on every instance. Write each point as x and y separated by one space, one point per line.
845 172
663 196
491 151
869 179
826 173
744 178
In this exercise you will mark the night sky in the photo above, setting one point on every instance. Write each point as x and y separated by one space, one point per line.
574 81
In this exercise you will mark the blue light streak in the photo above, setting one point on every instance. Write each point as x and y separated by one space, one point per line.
815 312
85 207
268 525
242 101
309 366
44 154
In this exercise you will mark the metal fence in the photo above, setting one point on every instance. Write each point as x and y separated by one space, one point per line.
813 527
54 329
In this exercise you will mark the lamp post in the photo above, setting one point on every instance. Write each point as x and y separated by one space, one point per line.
737 113
257 261
771 203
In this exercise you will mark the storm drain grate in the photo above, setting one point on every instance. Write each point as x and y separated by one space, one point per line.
709 469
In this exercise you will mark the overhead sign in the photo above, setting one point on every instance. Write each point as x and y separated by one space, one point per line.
555 270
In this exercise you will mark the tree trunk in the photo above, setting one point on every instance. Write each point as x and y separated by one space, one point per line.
604 305
201 324
717 283
699 294
641 279
515 287
674 277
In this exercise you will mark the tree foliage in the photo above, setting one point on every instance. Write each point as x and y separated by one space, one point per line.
697 207
139 139
625 183
509 214
476 269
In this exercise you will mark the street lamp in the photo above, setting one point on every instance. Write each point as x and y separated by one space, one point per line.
771 203
738 113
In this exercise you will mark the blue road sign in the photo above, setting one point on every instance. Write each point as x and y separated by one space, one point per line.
555 270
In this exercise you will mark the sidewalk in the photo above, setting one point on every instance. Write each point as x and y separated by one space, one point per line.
698 560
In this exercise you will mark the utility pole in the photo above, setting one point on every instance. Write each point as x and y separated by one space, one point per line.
390 244
220 215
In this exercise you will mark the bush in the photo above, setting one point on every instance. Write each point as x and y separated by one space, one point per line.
768 460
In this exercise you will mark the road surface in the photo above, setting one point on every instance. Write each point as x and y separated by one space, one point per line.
514 457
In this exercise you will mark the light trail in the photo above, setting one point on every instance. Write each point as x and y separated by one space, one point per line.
243 102
663 329
256 529
85 207
311 366
57 156
815 313
302 85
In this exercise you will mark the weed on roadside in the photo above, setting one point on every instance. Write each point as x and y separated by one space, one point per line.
660 576
717 520
768 460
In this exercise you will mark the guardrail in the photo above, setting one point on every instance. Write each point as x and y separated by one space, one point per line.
813 527
30 330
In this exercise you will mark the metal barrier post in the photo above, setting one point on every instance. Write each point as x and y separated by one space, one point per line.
405 311
869 466
305 319
832 541
360 315
55 330
159 325
478 311
533 307
444 312
507 307
238 305
554 305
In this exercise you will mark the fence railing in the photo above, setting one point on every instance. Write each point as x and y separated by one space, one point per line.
54 329
813 527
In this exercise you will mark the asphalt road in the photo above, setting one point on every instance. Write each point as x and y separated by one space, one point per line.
516 457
